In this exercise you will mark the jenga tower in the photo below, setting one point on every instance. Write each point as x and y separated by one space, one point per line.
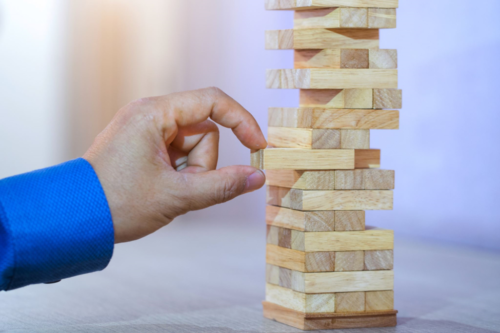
325 269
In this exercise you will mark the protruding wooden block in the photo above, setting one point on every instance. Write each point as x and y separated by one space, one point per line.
367 158
383 59
320 261
379 260
387 99
290 117
329 200
329 321
354 58
380 300
349 261
257 159
358 98
350 220
354 17
381 18
286 258
299 220
319 303
318 18
320 78
307 39
314 159
364 179
350 302
316 4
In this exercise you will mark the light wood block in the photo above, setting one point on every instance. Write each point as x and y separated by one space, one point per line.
366 159
381 18
315 159
364 179
273 274
322 39
318 18
304 180
316 78
286 258
312 200
315 4
350 220
350 302
349 261
380 300
320 261
304 138
257 159
379 260
272 236
319 303
383 59
300 220
336 282
354 58
333 118
325 58
328 321
350 245
387 99
354 17
350 98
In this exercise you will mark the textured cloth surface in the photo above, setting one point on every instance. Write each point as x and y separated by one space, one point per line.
54 223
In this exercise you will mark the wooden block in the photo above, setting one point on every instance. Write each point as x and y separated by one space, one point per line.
257 159
305 180
379 260
354 139
354 58
315 159
328 321
367 158
333 118
350 221
315 4
371 239
307 39
298 241
337 282
272 235
364 179
320 261
286 137
286 258
350 302
354 17
273 79
285 277
285 238
349 261
383 59
272 274
320 303
322 98
317 78
387 99
325 58
299 220
380 300
381 18
313 200
358 98
318 18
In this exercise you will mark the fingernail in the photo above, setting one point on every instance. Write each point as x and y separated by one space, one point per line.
255 181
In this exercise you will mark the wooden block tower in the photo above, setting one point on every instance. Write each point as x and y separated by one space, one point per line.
325 269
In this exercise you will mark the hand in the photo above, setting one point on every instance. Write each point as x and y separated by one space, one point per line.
156 160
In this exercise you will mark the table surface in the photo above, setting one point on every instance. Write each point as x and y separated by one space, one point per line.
209 277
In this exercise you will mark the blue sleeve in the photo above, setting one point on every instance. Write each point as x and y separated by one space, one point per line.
54 223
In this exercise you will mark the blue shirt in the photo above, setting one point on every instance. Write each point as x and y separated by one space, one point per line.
54 223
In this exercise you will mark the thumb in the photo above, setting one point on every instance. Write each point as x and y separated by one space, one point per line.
218 186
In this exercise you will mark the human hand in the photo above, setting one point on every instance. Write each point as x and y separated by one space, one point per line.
156 160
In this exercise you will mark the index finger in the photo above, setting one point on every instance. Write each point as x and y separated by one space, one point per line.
193 107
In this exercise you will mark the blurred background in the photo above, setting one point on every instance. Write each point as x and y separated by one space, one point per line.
67 66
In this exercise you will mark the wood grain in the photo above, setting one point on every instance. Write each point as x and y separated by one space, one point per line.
380 300
367 240
335 282
358 98
320 303
349 261
299 220
314 4
304 138
320 78
379 260
364 179
257 159
381 18
387 99
315 159
325 58
304 180
286 258
318 18
386 59
320 261
354 17
367 158
328 321
350 220
362 99
322 98
350 302
354 58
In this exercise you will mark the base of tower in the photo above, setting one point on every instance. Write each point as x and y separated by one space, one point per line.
326 321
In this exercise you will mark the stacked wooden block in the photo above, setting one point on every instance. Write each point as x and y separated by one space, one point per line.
325 269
